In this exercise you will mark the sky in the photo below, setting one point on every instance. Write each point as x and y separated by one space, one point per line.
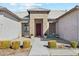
17 7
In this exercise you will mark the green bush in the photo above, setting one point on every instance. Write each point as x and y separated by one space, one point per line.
15 44
74 44
5 44
52 44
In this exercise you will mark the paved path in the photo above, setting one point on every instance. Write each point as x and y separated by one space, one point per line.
38 48
63 52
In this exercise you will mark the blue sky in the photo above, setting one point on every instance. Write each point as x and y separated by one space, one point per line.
16 7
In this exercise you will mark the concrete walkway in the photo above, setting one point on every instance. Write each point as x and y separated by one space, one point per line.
64 52
38 48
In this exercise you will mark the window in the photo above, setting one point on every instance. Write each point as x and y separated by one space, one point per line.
25 29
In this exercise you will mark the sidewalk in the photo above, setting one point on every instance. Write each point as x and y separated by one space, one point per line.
64 52
38 48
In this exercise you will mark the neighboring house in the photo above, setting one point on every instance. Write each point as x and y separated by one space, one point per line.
10 27
67 25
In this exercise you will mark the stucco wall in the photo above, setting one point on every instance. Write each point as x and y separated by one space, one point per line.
9 27
67 26
52 28
38 16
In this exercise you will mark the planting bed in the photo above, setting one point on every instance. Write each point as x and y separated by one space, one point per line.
13 52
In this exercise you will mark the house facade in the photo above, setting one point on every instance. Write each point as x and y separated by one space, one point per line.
39 21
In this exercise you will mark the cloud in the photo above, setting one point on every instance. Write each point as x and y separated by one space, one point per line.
12 4
24 6
29 5
33 4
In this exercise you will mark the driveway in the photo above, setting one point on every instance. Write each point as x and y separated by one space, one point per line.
39 49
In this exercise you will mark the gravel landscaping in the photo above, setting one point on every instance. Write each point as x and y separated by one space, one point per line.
17 52
21 51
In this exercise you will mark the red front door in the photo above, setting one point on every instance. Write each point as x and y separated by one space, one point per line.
38 29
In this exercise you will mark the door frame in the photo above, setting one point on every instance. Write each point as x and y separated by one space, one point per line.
37 29
39 20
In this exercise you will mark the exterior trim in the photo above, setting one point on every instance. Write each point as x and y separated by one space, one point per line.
10 13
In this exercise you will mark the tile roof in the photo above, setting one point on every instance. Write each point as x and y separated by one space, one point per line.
56 13
69 11
52 14
22 14
3 9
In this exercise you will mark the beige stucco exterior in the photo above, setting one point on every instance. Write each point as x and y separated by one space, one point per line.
10 28
52 28
67 26
41 16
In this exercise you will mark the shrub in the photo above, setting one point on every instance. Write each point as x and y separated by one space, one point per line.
52 44
26 44
74 44
15 44
5 44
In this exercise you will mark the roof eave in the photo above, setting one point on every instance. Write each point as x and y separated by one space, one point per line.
11 13
38 10
75 8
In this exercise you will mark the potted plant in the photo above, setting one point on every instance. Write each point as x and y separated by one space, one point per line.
31 35
45 35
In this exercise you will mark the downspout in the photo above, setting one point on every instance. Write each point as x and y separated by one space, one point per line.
77 27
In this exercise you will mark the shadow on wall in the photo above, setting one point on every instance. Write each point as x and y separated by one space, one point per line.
59 40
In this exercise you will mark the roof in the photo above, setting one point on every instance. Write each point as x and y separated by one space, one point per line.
56 13
52 14
22 14
71 10
3 9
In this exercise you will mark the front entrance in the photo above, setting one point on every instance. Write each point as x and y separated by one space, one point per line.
38 29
